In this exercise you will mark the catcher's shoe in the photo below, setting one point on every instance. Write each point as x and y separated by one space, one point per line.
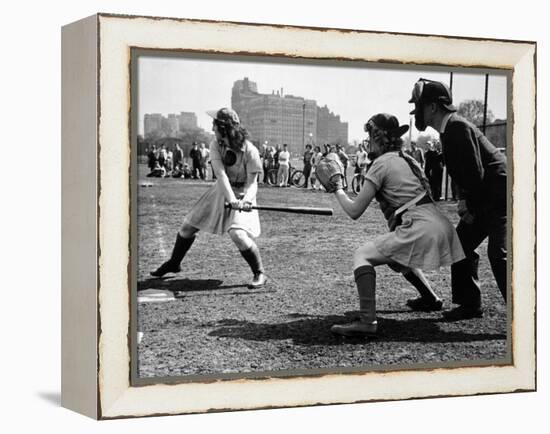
355 328
167 267
420 304
258 281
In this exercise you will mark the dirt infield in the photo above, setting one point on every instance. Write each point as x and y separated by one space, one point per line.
215 325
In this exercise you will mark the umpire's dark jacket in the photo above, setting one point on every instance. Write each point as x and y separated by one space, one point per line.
473 162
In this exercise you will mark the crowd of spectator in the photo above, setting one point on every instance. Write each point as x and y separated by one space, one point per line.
169 161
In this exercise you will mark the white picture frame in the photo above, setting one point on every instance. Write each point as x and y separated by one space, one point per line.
96 258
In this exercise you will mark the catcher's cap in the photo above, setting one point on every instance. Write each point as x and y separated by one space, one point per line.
387 123
225 115
425 90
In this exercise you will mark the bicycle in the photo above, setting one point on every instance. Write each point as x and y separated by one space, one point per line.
296 177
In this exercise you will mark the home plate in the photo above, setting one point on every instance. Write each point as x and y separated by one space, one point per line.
155 296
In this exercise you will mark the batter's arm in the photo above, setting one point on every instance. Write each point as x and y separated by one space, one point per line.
223 181
250 187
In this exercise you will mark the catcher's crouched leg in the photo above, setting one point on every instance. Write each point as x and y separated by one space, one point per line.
365 279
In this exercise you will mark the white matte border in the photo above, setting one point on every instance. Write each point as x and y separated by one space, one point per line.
117 35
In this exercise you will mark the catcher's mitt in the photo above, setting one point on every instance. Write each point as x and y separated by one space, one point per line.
330 173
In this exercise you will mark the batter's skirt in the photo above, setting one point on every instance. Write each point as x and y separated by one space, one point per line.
210 215
426 239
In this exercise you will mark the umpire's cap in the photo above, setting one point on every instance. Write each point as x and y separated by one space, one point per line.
425 90
225 115
387 123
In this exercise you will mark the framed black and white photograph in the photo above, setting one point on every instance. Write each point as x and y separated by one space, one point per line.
289 216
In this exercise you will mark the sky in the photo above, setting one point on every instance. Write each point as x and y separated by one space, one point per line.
170 84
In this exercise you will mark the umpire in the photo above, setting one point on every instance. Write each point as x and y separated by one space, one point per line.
479 171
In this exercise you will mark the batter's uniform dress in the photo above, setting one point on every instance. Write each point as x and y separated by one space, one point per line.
209 213
480 172
425 238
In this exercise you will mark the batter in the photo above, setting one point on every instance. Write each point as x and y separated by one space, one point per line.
236 163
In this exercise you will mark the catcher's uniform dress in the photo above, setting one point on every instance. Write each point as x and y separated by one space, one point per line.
209 213
425 238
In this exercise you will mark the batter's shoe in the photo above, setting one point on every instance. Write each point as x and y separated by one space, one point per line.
463 312
167 267
258 281
421 304
356 328
181 246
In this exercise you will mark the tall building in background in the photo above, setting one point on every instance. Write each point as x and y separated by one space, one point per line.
330 129
187 120
172 125
151 123
277 118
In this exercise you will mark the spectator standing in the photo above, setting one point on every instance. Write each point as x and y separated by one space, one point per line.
162 156
284 166
152 158
308 155
268 163
195 155
344 159
417 154
361 159
177 157
317 155
276 156
434 169
169 160
205 153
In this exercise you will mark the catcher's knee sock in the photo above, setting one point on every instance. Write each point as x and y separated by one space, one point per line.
253 258
421 286
365 279
181 246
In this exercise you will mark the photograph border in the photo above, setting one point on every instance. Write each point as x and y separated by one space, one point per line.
135 54
116 36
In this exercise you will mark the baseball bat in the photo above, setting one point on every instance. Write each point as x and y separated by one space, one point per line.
291 209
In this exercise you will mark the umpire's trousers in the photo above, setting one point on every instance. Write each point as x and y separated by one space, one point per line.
489 222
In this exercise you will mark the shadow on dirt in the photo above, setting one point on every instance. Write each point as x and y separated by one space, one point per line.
185 285
315 330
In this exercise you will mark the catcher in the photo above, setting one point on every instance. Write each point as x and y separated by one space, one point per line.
236 163
420 237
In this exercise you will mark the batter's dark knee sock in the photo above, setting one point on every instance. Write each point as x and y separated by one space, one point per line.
424 290
172 265
253 258
181 246
365 279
